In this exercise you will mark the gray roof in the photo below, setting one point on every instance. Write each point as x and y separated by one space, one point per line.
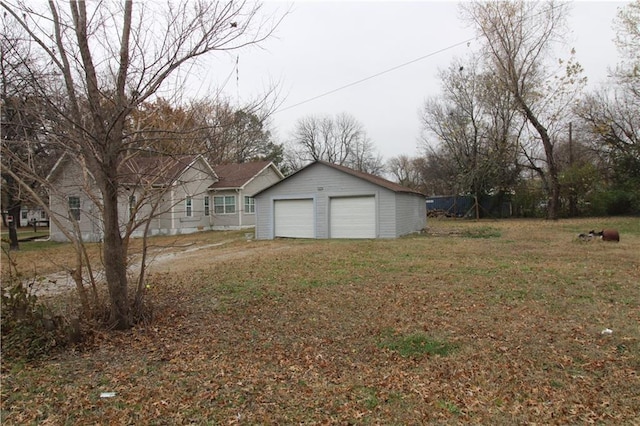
376 180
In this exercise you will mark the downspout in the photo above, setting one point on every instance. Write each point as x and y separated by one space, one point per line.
173 209
210 195
240 202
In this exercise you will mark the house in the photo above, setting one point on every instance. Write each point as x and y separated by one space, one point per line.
232 193
324 200
30 214
181 194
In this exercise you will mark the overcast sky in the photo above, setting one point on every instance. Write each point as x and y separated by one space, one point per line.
322 46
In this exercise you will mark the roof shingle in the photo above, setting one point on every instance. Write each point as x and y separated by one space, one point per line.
237 175
395 187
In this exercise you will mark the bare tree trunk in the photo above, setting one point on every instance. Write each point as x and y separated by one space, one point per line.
519 37
76 273
115 266
141 288
553 206
92 278
14 212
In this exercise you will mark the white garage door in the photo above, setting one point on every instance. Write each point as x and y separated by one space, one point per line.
294 218
353 217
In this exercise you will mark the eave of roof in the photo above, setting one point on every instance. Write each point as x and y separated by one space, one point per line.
158 171
376 180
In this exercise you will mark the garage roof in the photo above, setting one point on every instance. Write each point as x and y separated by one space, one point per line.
377 180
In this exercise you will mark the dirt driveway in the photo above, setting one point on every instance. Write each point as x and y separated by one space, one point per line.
173 259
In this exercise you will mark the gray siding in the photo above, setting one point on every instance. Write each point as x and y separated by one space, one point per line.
70 182
411 213
222 221
171 217
243 219
320 182
194 182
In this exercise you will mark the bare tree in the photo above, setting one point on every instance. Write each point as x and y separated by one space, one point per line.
438 173
213 128
612 117
627 24
408 171
519 38
341 140
455 121
111 58
611 113
470 129
233 135
24 124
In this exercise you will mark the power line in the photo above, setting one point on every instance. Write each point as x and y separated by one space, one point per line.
330 92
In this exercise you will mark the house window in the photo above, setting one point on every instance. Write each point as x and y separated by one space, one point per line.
43 214
189 207
74 208
206 205
24 214
224 204
249 205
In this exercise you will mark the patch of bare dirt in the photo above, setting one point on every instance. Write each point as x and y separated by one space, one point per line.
203 257
176 259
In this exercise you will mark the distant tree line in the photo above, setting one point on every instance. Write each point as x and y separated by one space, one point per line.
512 120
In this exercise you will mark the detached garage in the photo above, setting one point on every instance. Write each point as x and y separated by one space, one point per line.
324 200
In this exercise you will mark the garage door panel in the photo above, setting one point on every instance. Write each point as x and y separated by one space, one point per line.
294 218
352 217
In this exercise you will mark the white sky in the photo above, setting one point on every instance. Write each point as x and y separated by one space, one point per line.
322 46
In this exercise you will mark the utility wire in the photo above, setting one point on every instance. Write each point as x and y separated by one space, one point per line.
330 92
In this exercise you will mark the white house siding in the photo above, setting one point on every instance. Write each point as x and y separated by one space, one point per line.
320 182
70 182
27 215
263 180
171 215
194 182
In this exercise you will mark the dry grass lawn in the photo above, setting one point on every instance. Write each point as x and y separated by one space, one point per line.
343 332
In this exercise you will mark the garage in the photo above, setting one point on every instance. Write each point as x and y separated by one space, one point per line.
325 200
352 217
294 218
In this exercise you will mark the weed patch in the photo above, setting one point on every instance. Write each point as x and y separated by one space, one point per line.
29 329
450 407
482 232
416 344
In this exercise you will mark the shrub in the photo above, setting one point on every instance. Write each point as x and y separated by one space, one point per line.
29 330
612 203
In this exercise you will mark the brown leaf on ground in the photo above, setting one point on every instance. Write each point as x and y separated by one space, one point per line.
291 332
